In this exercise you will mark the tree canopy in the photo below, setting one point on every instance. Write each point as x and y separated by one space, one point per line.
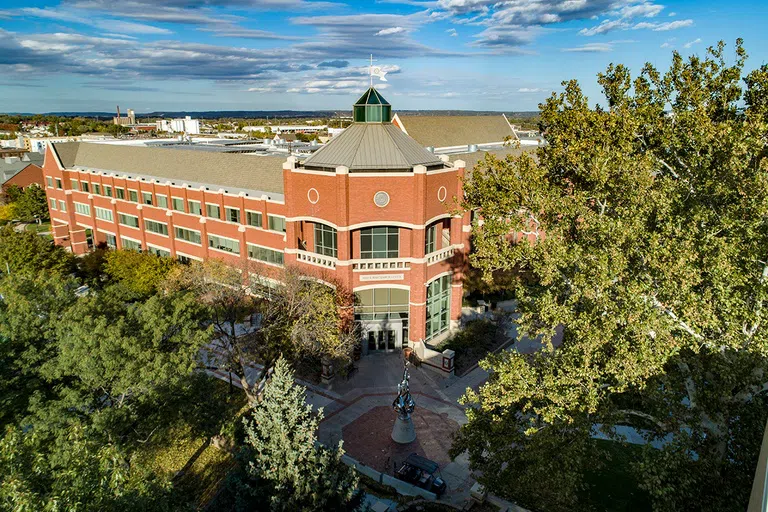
638 230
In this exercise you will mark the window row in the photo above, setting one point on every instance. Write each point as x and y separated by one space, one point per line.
212 210
255 252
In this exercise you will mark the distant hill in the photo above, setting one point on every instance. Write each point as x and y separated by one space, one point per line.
277 114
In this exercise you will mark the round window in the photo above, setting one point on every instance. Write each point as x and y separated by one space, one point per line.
442 193
313 195
381 199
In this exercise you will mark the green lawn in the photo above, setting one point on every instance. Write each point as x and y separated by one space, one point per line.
614 487
39 228
209 465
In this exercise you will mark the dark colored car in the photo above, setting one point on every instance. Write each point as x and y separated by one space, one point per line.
421 472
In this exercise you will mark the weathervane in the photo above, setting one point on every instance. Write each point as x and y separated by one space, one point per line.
376 71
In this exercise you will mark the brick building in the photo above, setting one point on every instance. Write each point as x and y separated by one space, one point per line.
371 210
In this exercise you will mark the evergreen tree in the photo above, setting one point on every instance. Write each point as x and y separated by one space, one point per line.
285 459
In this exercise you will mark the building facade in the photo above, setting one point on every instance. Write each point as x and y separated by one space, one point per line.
372 210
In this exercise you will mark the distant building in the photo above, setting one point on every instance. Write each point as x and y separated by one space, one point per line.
38 144
296 128
124 121
181 125
13 152
371 211
21 171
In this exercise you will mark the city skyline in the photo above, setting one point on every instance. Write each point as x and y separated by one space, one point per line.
89 55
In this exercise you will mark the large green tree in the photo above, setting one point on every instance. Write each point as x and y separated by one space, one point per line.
141 273
78 473
28 253
641 234
30 309
117 359
32 204
283 457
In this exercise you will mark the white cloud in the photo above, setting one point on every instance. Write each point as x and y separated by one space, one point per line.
604 27
591 48
452 32
691 43
663 27
531 89
666 45
390 31
643 10
672 14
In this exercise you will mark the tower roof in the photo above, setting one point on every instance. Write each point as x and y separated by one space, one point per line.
372 108
372 147
371 97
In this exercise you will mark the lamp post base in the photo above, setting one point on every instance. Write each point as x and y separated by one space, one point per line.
403 432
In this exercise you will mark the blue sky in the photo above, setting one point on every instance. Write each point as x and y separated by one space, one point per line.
155 55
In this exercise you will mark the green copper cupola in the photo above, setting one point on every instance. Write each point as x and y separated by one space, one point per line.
372 108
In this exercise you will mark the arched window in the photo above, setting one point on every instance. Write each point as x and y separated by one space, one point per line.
325 240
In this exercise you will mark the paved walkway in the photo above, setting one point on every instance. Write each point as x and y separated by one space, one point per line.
363 417
359 412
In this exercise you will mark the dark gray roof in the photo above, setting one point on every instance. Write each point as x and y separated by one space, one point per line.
449 131
370 147
246 172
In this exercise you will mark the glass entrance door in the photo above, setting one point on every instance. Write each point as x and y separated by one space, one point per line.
383 338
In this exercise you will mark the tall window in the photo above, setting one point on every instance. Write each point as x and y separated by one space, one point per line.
162 201
265 254
253 219
82 209
157 251
152 226
276 223
97 189
120 193
111 241
104 214
178 204
188 235
213 211
85 186
224 244
381 304
58 183
194 207
128 220
129 244
53 204
133 196
62 206
379 242
232 214
49 180
74 184
325 240
430 238
438 306
107 191
146 198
